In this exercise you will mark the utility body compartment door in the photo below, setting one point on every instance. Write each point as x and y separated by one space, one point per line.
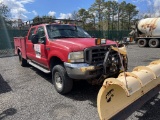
19 44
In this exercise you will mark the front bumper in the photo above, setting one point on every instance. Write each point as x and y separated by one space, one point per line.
82 71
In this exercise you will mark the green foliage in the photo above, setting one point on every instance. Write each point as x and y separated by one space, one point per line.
111 11
43 19
108 15
4 16
86 17
4 11
97 10
130 12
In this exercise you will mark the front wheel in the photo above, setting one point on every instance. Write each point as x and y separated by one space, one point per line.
62 83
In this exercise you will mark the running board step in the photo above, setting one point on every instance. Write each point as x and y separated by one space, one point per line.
39 67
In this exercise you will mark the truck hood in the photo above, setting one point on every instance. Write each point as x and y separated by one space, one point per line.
78 44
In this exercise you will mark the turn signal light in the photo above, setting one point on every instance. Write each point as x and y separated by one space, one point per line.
99 41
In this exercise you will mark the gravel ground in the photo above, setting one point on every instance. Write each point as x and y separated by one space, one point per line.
27 93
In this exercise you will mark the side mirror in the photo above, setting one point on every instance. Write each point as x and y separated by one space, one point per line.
34 39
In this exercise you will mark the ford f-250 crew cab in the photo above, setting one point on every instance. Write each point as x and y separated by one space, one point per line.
69 53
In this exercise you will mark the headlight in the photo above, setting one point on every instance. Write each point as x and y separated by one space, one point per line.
76 57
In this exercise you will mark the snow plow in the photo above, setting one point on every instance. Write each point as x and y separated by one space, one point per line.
121 96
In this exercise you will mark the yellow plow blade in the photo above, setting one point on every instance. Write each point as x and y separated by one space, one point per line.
119 96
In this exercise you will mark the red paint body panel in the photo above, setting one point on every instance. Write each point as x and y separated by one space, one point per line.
44 59
78 44
62 47
20 44
58 50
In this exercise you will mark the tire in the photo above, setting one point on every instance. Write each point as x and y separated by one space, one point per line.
142 43
22 61
154 43
62 83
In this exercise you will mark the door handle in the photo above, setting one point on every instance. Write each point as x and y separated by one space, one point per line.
47 48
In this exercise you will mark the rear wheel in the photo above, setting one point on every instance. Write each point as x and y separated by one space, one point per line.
154 43
142 42
22 61
63 84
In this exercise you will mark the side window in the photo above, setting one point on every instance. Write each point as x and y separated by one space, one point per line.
30 34
41 35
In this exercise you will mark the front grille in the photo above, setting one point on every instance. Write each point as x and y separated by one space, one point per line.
95 55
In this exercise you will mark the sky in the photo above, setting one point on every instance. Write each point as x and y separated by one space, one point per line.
28 9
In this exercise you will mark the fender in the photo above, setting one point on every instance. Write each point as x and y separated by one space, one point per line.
16 50
58 54
23 53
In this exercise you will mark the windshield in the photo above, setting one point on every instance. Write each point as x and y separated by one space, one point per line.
66 31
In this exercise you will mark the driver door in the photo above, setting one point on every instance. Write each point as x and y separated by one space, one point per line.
40 47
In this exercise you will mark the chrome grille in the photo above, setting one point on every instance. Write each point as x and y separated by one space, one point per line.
95 55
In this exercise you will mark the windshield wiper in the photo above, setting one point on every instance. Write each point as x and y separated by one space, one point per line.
64 36
82 37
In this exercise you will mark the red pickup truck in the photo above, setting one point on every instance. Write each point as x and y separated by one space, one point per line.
69 53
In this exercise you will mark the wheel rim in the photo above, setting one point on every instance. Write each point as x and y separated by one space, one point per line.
141 42
58 80
153 42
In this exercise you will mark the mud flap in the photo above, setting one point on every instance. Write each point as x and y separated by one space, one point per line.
117 94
